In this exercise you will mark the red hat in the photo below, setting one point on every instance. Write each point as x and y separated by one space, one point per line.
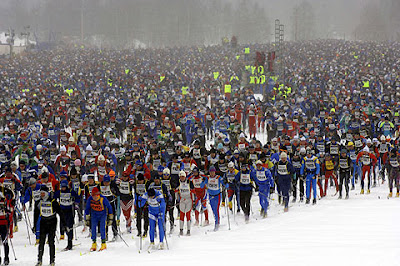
95 191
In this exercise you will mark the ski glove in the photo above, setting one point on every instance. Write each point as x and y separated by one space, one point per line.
110 219
87 220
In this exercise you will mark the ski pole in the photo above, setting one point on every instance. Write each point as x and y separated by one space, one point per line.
163 224
122 239
7 237
140 236
227 212
12 247
29 220
27 229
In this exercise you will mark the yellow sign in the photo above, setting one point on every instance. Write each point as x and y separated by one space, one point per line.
228 88
126 71
69 91
216 75
365 84
247 50
185 90
162 78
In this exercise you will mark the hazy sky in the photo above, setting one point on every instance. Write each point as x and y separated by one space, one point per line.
338 17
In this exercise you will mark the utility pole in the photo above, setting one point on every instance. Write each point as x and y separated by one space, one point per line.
26 33
82 20
11 34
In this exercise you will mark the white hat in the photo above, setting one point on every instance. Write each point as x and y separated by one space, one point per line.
182 173
89 148
166 171
84 178
383 138
369 141
101 158
258 162
62 148
366 148
231 164
39 147
241 135
71 139
283 155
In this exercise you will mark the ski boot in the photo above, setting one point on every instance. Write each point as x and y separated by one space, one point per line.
286 209
69 246
347 196
188 233
307 201
161 247
94 247
262 212
6 261
216 227
314 201
293 200
265 215
223 204
52 263
39 263
397 194
301 199
103 246
368 191
15 228
352 187
181 232
390 195
246 219
62 237
362 191
37 242
206 222
144 234
340 196
196 223
151 246
129 230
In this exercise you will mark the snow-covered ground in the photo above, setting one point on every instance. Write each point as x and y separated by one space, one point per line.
363 230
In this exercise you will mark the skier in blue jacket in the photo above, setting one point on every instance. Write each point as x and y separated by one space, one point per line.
97 210
156 203
284 172
214 184
263 178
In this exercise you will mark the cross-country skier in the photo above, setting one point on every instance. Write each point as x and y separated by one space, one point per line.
98 212
156 203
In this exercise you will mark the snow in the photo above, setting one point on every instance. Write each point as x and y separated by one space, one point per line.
363 230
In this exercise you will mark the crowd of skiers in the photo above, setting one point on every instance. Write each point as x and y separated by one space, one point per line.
151 134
